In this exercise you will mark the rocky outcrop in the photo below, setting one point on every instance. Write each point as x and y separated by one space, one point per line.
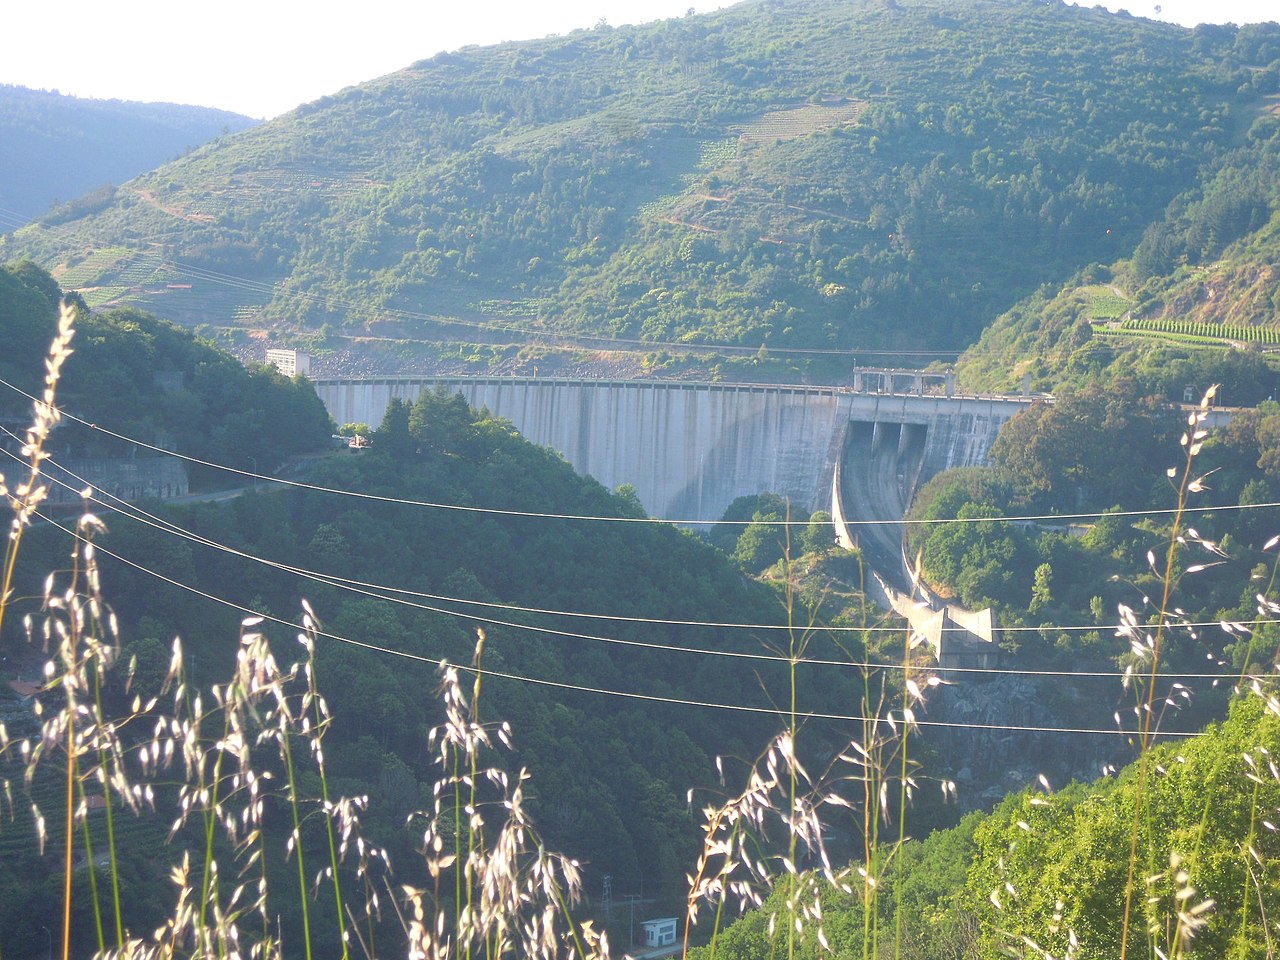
988 755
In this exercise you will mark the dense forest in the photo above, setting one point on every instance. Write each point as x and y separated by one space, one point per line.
63 156
819 174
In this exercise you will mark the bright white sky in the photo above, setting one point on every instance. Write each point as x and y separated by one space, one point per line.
263 57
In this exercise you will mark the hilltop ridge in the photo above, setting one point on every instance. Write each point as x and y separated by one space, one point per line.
67 152
826 174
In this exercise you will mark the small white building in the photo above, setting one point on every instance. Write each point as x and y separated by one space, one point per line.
660 933
289 362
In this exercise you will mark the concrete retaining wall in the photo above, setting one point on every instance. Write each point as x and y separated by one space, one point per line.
131 479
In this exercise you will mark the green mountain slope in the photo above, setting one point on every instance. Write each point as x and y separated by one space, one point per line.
820 174
1045 873
56 147
1203 280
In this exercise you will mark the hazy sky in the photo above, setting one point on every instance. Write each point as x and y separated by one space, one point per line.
263 57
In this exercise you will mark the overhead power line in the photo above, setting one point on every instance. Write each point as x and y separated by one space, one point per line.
335 302
603 691
1009 232
532 514
375 591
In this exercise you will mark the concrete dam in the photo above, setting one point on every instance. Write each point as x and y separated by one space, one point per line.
690 449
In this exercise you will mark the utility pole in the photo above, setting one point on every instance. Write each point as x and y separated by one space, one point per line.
606 897
632 899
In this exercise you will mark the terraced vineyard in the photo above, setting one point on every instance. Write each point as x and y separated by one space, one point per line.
253 184
1185 331
1183 339
141 834
77 274
126 272
796 122
244 315
1105 303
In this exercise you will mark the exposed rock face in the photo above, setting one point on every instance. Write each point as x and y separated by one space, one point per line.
988 757
1235 295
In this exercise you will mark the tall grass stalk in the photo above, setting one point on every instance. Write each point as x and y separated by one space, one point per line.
320 717
755 841
870 755
521 895
93 878
106 766
295 840
796 648
904 784
1150 646
26 497
25 500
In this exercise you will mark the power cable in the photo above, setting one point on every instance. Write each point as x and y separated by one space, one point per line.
465 508
13 222
603 691
357 586
334 302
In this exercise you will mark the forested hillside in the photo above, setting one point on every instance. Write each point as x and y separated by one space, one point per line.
817 174
69 153
400 585
142 377
619 710
1103 453
609 773
1194 303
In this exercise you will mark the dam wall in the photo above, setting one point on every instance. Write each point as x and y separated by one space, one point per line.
690 449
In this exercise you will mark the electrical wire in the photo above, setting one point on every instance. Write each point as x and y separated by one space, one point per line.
333 302
498 511
12 221
604 691
371 590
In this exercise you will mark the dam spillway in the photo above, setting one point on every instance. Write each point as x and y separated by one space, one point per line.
690 449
